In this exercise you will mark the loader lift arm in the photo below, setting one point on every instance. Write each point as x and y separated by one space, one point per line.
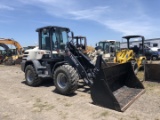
82 63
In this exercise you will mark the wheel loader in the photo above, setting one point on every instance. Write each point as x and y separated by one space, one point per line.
114 87
134 54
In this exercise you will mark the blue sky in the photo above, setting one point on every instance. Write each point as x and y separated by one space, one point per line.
95 19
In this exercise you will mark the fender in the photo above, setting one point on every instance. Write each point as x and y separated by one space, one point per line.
58 64
35 63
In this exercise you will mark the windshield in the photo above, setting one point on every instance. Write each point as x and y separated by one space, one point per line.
101 44
57 38
110 46
117 46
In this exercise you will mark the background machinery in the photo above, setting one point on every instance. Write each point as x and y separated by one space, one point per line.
108 49
135 54
28 47
13 55
81 43
3 52
113 87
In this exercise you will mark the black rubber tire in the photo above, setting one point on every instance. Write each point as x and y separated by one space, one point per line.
35 80
135 68
71 79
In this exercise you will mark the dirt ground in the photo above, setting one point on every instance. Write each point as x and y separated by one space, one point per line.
21 102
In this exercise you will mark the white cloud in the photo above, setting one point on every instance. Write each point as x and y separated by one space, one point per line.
53 7
5 7
127 27
126 21
91 14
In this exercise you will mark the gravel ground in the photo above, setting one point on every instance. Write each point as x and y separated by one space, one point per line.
21 102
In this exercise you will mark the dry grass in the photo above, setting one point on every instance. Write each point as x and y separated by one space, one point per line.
19 101
39 106
67 105
104 114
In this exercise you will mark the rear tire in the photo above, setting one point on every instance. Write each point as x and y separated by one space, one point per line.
66 79
31 76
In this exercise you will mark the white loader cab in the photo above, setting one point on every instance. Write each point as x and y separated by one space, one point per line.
109 48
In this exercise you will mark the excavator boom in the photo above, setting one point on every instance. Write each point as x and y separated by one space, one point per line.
12 42
12 59
4 46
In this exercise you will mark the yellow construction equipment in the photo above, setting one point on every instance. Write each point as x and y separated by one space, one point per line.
134 55
15 54
4 52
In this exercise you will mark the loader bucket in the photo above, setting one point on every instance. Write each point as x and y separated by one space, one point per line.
109 64
152 72
116 87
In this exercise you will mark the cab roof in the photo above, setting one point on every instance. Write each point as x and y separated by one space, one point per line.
79 36
49 27
132 36
108 41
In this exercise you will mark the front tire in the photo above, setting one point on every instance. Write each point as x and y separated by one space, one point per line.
31 76
66 79
134 66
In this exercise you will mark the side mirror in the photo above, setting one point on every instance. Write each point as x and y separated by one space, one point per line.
96 44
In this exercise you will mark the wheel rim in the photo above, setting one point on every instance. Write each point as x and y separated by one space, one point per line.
30 76
62 80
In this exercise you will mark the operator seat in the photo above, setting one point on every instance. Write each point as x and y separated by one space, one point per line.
47 40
